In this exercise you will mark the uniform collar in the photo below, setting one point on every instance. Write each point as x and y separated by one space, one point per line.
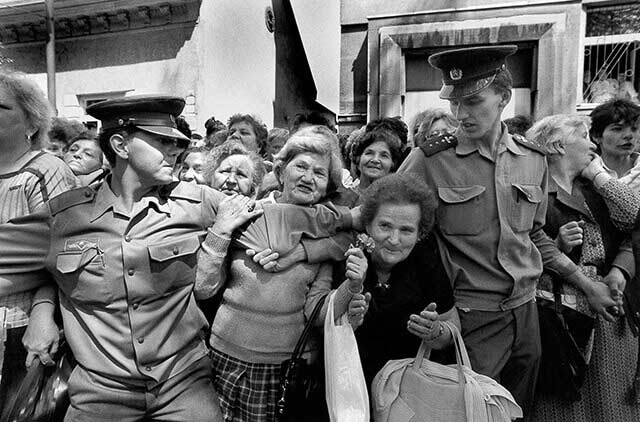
106 200
466 147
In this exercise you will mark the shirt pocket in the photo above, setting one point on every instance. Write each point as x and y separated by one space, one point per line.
81 275
462 211
173 262
523 212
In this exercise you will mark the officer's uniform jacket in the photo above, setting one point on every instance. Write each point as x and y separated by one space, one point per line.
490 218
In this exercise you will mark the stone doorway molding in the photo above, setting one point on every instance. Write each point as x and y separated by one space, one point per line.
558 58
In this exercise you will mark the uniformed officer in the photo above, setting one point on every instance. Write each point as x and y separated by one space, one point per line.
492 189
123 255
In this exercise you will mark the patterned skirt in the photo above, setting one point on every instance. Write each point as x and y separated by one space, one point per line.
248 392
606 390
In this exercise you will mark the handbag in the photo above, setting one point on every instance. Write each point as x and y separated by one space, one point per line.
564 335
346 388
412 390
42 395
300 382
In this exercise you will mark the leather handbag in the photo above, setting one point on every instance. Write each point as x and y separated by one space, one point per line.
42 395
412 390
564 335
300 382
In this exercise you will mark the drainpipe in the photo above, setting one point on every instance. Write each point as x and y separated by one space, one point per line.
51 55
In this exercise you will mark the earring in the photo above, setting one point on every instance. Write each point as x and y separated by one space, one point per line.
29 139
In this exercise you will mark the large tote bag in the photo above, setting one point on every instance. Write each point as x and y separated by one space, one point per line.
413 390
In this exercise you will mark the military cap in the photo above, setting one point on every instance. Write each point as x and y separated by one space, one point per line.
155 114
467 71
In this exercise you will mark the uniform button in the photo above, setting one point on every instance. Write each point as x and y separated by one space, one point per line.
131 271
148 368
127 238
140 340
135 306
87 193
175 250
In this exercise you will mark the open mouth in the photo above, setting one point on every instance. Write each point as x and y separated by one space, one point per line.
304 189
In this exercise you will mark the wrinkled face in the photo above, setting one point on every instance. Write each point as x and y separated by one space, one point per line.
83 157
152 158
440 127
192 168
375 161
234 175
243 132
305 179
618 139
478 114
395 231
579 150
13 121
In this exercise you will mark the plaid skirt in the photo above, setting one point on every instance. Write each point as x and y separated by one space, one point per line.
248 392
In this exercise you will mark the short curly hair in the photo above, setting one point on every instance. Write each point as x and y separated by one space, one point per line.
312 139
400 189
393 124
389 138
220 153
259 128
33 103
613 111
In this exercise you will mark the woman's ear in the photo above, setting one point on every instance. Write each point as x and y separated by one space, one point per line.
119 146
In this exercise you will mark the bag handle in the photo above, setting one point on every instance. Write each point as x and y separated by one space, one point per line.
302 341
462 357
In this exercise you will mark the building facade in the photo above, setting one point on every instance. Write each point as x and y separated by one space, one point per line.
569 50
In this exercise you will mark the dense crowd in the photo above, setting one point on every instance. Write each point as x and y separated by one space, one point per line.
182 269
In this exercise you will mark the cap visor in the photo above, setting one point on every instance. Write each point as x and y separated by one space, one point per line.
467 89
166 131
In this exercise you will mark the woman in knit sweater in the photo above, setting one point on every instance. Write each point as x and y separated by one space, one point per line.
263 313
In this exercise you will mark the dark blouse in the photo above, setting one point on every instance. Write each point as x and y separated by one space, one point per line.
413 284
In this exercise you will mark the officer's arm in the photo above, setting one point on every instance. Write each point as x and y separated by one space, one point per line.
24 242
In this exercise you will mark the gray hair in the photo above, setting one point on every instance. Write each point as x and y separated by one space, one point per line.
316 140
33 103
552 132
220 153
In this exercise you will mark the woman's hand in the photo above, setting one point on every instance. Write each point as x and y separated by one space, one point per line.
427 325
42 336
570 236
358 307
273 262
234 211
593 169
600 300
617 283
356 269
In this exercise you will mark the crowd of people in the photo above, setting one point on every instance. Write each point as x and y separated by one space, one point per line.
182 269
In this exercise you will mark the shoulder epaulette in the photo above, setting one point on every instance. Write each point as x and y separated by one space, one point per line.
438 143
70 199
528 144
183 190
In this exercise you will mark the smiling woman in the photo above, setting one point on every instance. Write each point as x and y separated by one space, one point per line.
377 154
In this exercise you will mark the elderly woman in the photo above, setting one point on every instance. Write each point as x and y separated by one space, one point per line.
434 122
614 128
376 154
276 139
409 291
586 213
250 131
262 313
29 177
85 158
233 169
192 166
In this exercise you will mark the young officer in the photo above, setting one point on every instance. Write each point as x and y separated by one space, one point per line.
492 189
123 255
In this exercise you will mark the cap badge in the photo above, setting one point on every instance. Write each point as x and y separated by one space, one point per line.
455 74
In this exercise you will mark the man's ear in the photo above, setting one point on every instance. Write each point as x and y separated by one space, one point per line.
119 146
506 97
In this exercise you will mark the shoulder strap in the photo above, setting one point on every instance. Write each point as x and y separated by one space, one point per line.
521 140
438 143
297 352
